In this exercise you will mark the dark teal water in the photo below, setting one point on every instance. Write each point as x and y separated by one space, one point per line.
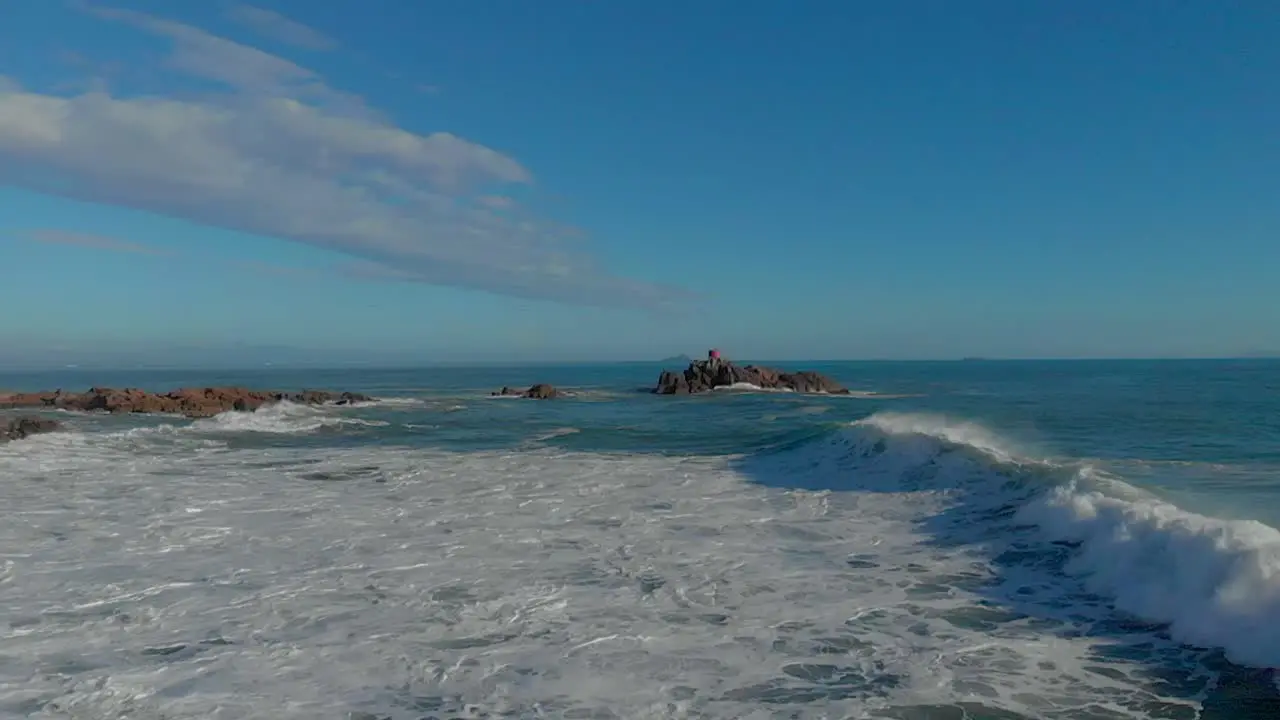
1128 503
1154 413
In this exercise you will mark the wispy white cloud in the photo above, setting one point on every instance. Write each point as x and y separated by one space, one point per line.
498 202
94 76
272 158
89 240
273 25
281 271
425 88
245 69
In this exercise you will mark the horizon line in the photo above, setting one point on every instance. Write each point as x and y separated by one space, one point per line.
454 364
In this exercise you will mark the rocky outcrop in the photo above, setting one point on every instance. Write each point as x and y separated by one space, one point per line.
21 427
703 375
541 391
191 402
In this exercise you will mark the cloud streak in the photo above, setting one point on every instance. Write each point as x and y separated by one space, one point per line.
273 25
242 68
89 240
280 271
273 158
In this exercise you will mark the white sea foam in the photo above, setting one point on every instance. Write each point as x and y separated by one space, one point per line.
166 574
749 387
392 402
555 433
285 417
962 433
745 387
1216 582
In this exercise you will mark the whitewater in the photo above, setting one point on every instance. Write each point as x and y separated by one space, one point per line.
919 550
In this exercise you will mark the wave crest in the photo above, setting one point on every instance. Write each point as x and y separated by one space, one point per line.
282 418
1212 582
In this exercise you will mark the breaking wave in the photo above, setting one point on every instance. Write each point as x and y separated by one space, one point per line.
1208 582
283 418
914 566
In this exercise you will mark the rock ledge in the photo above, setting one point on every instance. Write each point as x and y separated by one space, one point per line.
190 402
21 427
541 391
704 375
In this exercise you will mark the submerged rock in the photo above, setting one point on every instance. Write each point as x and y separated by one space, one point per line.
704 375
541 391
19 428
191 402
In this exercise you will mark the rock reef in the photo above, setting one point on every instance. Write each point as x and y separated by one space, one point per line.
190 402
704 375
21 427
541 391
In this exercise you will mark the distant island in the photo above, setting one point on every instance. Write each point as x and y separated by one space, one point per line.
716 372
676 360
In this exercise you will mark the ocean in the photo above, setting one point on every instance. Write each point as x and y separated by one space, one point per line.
986 539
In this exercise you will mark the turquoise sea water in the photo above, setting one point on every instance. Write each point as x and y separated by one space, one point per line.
968 539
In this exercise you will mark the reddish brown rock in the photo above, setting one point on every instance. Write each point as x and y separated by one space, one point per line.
191 402
21 427
541 391
703 375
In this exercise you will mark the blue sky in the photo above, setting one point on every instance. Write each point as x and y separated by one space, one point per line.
509 180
